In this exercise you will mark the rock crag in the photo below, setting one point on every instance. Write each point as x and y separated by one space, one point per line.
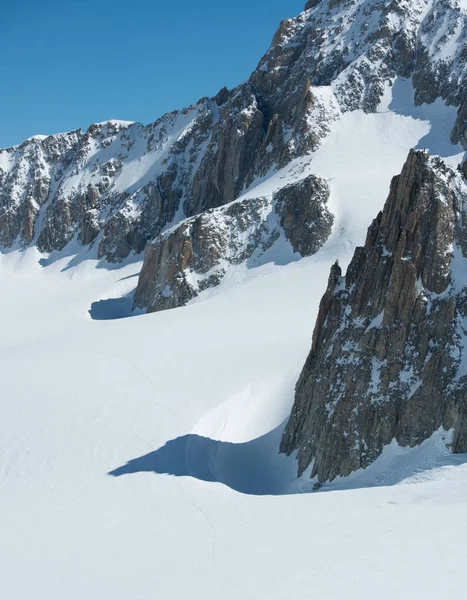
389 353
195 255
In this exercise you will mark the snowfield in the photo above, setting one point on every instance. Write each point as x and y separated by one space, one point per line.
138 456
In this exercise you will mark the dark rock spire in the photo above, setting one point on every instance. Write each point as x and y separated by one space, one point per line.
389 353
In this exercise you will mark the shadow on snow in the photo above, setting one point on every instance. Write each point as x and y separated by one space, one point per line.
257 468
113 308
441 119
253 467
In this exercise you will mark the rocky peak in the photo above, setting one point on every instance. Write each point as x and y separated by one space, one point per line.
389 345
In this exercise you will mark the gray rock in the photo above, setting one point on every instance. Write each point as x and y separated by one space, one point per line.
304 215
197 254
389 346
459 132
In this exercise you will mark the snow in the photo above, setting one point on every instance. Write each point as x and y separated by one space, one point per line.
376 322
39 137
138 456
361 155
448 38
116 122
82 397
5 160
143 168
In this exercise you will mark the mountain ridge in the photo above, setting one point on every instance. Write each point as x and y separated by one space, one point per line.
118 185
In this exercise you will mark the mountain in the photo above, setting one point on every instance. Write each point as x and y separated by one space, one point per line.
139 457
386 361
120 184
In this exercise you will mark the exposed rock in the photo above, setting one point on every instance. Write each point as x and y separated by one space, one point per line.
388 359
163 283
303 214
195 255
311 4
25 181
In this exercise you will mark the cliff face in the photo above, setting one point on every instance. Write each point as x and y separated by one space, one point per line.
389 353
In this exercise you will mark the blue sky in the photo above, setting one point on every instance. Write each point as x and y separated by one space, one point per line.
67 64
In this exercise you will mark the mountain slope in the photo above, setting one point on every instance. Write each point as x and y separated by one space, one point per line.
344 59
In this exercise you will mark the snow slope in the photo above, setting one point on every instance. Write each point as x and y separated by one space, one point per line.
138 456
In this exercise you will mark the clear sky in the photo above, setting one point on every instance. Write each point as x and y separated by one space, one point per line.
65 64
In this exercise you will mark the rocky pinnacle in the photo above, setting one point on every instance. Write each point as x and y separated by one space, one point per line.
389 353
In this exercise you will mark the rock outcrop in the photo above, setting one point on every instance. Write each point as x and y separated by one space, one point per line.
197 254
389 353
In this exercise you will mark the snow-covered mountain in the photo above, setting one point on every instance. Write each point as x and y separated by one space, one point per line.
139 457
120 184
